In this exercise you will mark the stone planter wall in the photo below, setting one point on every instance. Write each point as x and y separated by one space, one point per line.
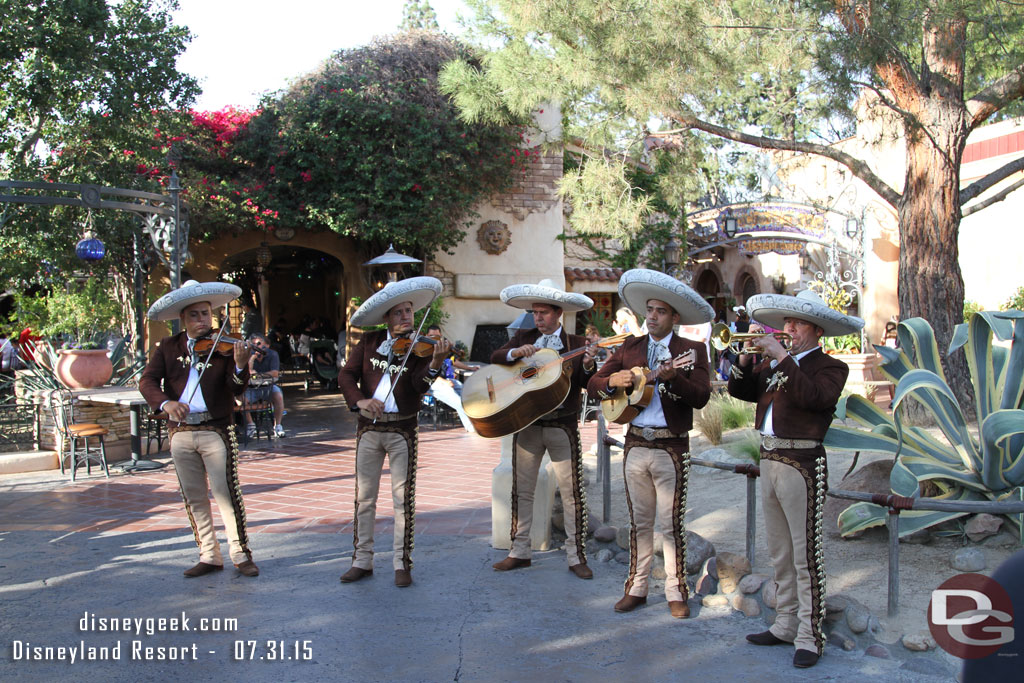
114 418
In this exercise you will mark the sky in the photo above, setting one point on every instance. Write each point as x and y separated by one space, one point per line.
241 50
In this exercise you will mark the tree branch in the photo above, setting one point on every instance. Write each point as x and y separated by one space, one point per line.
998 197
996 96
982 184
858 167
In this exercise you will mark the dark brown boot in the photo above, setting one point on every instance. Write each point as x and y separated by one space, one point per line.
355 573
201 569
628 603
510 563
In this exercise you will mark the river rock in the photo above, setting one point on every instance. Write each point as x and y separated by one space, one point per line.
968 560
622 557
622 537
751 583
716 600
605 555
840 640
857 618
605 534
919 642
731 569
705 585
919 537
698 550
982 526
876 650
747 605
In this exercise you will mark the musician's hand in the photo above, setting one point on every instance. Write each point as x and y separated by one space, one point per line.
176 411
771 347
746 359
589 362
524 351
666 372
242 353
442 349
623 379
372 406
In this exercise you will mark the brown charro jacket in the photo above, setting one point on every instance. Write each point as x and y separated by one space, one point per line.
364 369
679 396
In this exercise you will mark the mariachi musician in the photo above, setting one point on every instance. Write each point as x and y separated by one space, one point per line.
796 391
557 432
656 457
197 390
386 385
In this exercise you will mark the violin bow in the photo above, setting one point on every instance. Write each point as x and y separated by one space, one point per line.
405 358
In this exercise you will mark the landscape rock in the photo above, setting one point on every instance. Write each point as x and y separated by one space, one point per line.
716 600
751 583
839 640
705 585
919 537
622 557
872 477
731 569
876 650
698 550
605 555
968 560
605 534
747 605
982 526
622 537
919 642
857 618
710 568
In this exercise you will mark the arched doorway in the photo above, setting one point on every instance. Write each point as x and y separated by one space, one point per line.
297 285
708 286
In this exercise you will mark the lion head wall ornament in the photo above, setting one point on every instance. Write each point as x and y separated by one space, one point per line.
494 237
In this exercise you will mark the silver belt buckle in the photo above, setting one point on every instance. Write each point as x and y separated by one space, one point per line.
647 433
196 418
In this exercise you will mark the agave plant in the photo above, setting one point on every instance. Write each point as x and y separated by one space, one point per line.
962 467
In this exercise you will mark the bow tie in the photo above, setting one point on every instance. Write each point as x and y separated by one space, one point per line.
656 353
385 348
549 341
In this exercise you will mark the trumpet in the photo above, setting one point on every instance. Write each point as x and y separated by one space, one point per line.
723 338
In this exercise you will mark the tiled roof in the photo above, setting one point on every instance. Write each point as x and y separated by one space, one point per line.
593 274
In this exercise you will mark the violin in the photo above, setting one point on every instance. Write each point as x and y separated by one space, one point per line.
423 347
225 345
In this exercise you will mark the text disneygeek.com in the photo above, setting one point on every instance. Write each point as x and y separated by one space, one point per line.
138 649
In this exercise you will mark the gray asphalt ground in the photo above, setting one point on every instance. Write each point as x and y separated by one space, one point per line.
459 621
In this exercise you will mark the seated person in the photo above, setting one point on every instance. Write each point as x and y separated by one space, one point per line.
264 368
593 336
451 363
446 388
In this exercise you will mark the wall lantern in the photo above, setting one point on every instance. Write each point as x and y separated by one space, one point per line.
730 226
852 228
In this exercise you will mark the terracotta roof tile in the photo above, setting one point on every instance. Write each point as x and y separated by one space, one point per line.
593 274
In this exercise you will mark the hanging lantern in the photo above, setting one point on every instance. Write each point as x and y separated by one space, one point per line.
90 248
263 257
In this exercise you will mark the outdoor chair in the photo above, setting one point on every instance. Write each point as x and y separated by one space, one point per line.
71 433
437 411
262 412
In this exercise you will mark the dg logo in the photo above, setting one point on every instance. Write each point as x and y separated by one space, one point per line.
970 616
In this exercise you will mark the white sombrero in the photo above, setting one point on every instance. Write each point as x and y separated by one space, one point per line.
773 309
419 291
638 286
170 305
545 292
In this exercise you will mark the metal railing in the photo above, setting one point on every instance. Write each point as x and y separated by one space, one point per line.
897 504
751 471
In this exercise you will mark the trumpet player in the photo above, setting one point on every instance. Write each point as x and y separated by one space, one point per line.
796 391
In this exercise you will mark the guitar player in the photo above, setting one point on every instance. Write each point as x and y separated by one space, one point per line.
656 458
558 432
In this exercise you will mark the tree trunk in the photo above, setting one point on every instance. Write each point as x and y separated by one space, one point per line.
930 283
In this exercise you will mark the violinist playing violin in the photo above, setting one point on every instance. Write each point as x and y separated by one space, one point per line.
195 385
386 388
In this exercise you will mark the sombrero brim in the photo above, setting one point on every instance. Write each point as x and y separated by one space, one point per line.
525 296
420 291
170 305
638 286
773 309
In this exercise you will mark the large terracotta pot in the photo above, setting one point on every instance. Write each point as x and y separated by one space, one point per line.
81 369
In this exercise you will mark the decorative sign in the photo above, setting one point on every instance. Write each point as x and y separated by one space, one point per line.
771 219
764 245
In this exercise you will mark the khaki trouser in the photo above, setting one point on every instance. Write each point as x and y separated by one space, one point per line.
371 448
528 448
795 554
199 455
656 484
